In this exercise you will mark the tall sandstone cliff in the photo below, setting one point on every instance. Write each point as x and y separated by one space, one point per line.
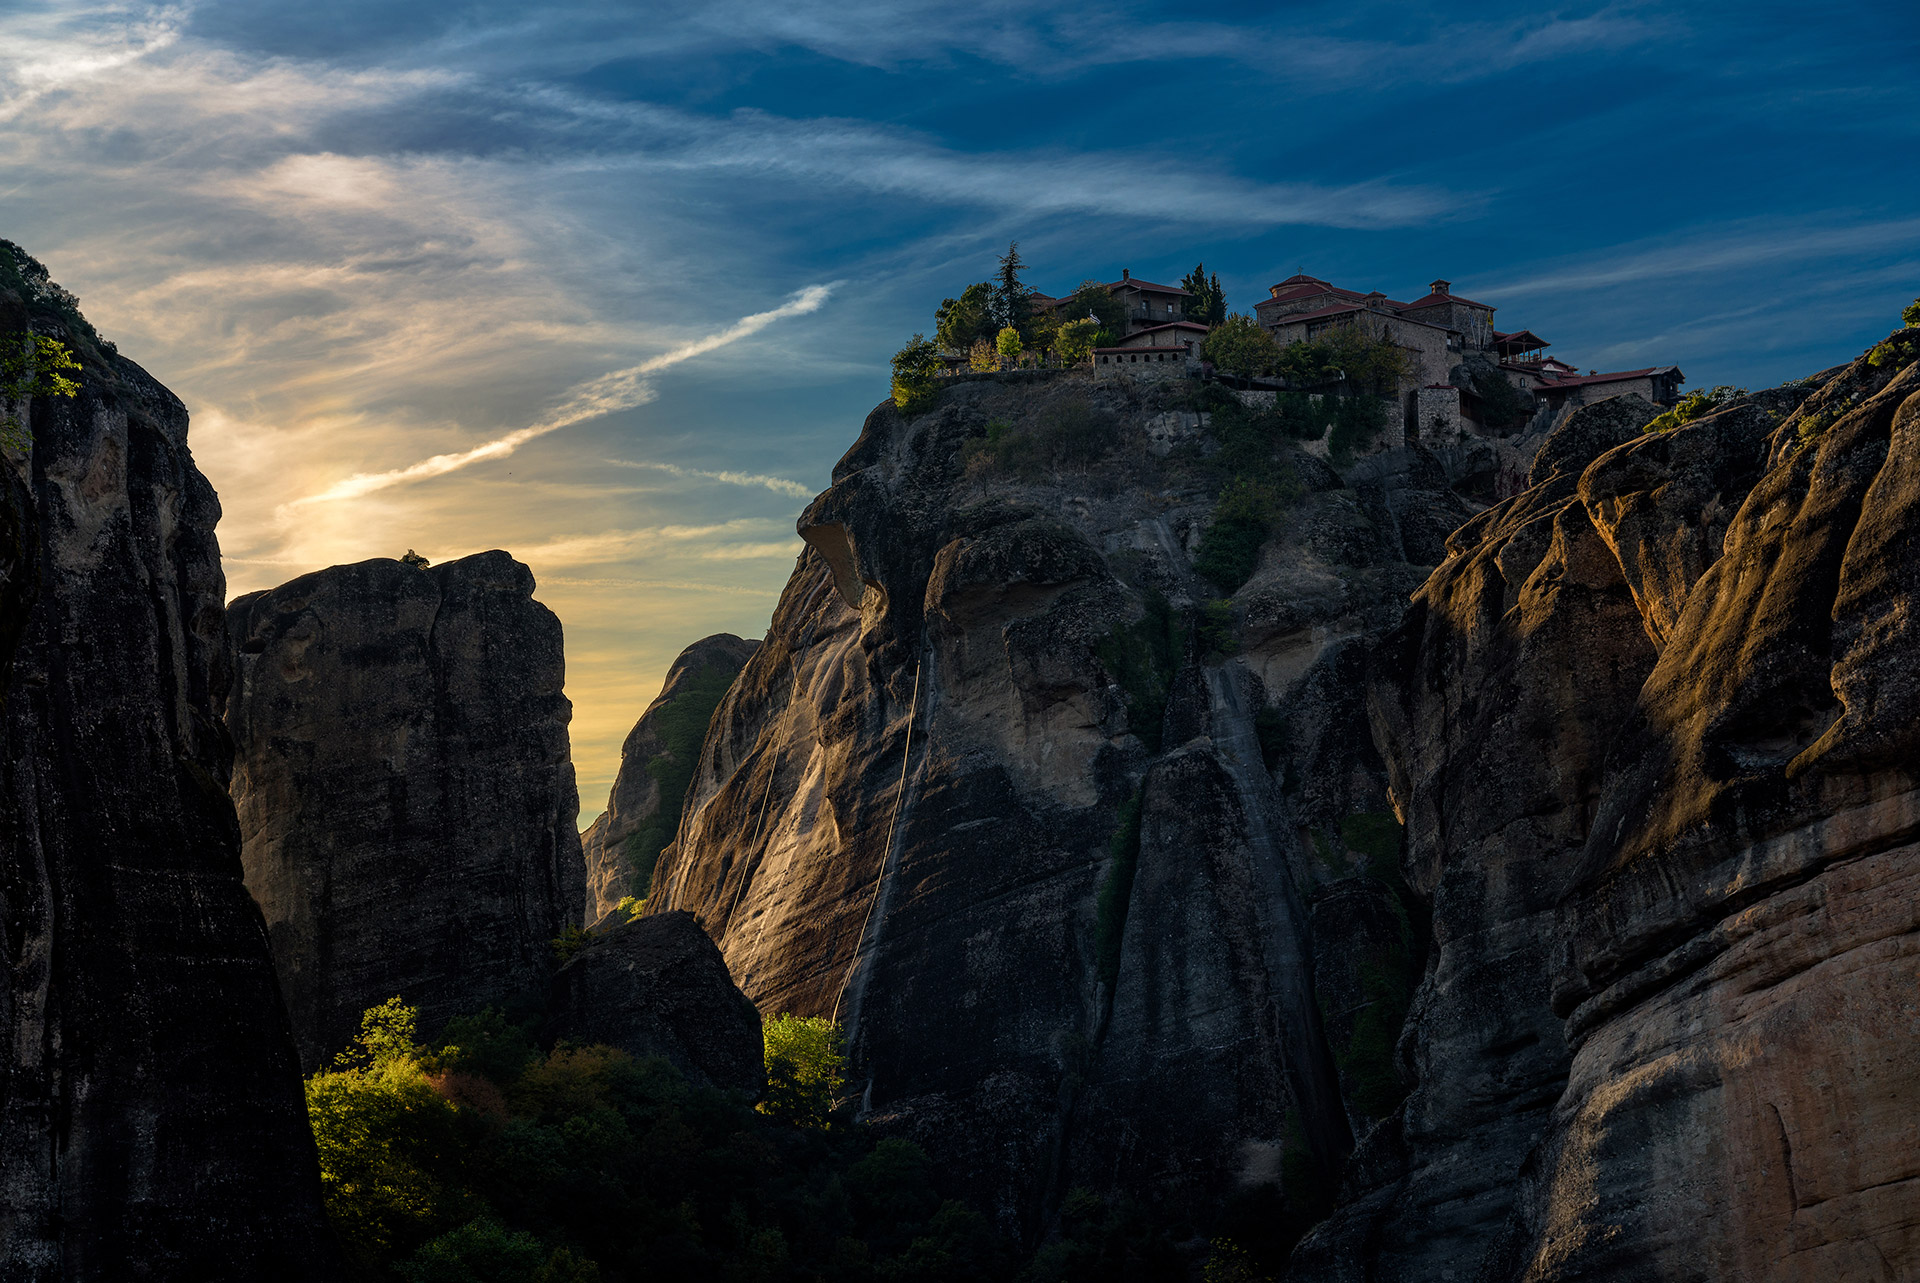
1652 728
1043 833
656 765
151 1119
404 787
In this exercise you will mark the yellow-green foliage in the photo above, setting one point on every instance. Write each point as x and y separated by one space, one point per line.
31 365
385 1137
806 1067
916 376
1007 344
483 1160
1898 349
1694 405
1073 341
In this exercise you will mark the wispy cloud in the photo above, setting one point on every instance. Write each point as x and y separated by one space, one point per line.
619 390
779 485
1710 250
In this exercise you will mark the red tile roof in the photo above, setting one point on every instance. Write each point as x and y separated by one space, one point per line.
1148 286
1172 325
1434 300
1617 376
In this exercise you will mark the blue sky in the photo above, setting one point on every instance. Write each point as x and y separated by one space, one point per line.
611 286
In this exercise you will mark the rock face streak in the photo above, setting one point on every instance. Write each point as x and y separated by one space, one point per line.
404 787
1653 726
151 1121
984 796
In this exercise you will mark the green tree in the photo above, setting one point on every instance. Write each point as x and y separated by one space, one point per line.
1007 344
1208 305
1073 341
961 322
1012 306
1240 346
1093 300
31 365
981 356
806 1064
1911 316
916 376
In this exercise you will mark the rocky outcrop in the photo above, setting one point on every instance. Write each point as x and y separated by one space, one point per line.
1742 943
151 1118
1005 795
658 987
656 765
1651 727
404 788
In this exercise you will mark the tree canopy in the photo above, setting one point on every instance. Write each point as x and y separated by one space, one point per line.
916 376
31 365
1209 303
1240 346
961 322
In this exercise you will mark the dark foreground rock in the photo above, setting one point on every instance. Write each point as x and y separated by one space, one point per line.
405 788
658 987
151 1119
1006 798
656 765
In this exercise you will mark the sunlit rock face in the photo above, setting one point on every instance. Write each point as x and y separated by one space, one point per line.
151 1119
1658 767
992 796
404 788
656 764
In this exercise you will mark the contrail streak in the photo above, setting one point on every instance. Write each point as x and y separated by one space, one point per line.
620 390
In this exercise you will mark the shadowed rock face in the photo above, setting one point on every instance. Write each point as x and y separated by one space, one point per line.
1665 795
983 796
658 987
656 763
404 788
151 1119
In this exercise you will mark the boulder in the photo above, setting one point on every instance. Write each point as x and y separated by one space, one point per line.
657 986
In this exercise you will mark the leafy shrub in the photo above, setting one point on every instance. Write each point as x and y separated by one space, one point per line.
487 1160
982 357
26 276
916 376
1007 344
1065 436
31 365
1910 315
1368 365
1896 350
1357 423
1501 402
1695 405
414 559
1215 632
806 1067
1073 341
1243 516
571 940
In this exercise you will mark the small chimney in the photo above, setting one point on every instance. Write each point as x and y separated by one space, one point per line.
1125 275
1441 287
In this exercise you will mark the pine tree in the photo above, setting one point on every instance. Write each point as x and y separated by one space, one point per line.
1010 299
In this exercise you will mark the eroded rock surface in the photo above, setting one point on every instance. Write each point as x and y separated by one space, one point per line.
151 1118
656 765
404 788
1652 727
1044 834
658 987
